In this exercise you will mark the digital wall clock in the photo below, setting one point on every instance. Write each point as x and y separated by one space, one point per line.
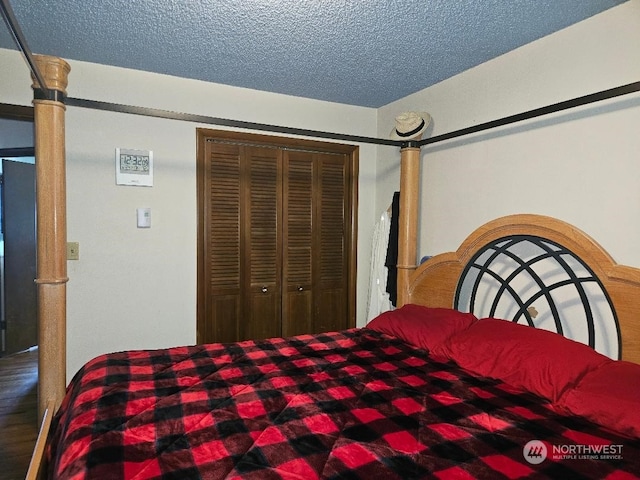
134 167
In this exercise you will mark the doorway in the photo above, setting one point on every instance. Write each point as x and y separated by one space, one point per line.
18 291
18 294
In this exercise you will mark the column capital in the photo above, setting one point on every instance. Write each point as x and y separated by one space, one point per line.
55 72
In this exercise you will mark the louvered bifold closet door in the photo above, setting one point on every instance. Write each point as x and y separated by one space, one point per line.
262 243
330 262
276 241
297 299
244 247
222 256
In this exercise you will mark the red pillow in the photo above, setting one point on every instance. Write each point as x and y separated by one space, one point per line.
539 361
423 327
608 396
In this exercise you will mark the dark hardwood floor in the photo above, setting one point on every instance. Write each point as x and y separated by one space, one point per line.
18 412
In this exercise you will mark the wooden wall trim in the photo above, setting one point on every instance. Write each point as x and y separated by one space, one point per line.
16 112
17 152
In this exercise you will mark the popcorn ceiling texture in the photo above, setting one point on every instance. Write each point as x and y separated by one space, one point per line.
358 52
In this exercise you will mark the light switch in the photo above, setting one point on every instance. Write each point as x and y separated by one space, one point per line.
144 217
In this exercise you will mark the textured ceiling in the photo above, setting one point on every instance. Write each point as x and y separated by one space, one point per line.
359 52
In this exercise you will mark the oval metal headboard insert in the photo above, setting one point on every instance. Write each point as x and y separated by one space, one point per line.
535 281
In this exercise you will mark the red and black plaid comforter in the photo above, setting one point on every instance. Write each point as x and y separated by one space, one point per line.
353 404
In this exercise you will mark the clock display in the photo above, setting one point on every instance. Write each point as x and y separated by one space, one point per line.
136 164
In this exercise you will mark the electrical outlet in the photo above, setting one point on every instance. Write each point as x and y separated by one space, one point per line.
73 251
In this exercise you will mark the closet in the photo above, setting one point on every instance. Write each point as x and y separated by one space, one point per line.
276 242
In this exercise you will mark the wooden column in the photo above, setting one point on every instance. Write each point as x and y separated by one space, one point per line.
51 224
408 220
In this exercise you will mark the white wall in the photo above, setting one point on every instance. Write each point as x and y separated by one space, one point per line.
136 288
15 133
15 82
581 166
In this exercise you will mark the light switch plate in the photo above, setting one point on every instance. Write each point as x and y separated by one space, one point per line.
73 251
143 216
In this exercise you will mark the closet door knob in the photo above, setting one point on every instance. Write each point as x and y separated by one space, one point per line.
300 288
264 289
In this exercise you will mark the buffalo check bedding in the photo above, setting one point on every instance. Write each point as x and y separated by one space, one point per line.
356 404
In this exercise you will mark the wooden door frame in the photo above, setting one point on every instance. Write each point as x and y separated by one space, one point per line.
16 112
352 151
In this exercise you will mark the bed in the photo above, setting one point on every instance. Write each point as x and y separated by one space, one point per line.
472 377
438 388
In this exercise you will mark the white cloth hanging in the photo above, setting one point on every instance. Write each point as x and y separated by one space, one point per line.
378 300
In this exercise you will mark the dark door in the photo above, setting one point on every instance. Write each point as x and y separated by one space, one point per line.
261 243
276 236
243 244
298 252
331 262
19 273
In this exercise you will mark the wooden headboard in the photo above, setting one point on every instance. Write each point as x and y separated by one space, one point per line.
436 281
